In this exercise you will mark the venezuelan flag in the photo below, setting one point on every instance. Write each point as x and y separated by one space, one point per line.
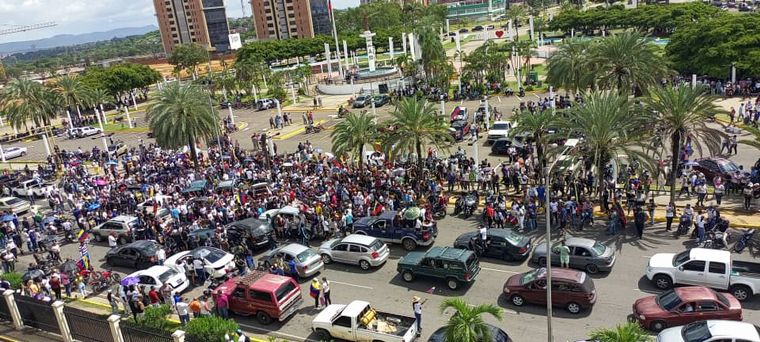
82 235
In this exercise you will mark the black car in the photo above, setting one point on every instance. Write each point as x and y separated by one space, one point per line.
464 30
504 244
254 233
501 146
477 28
497 335
460 129
202 234
139 254
381 100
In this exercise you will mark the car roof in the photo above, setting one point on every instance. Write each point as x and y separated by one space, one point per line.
123 218
8 198
742 330
359 239
262 281
294 248
388 214
710 254
581 242
354 308
458 123
691 293
566 274
155 270
439 334
448 253
140 244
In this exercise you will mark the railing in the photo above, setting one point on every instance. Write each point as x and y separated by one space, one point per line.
87 326
134 333
37 313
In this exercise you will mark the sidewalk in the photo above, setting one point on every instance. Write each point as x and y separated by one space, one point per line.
9 334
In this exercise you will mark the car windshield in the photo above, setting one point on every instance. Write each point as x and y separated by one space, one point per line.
211 255
722 299
13 201
284 290
696 332
681 258
305 255
668 300
375 246
532 276
512 237
598 248
500 126
361 98
729 167
166 275
149 248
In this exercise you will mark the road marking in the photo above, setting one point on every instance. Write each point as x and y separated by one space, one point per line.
349 284
646 256
268 332
498 270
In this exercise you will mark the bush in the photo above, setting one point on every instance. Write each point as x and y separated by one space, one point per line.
529 88
155 317
210 328
15 279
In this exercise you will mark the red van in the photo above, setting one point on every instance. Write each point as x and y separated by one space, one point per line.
571 289
267 296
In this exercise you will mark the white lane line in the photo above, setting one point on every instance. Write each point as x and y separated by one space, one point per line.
498 270
349 284
646 256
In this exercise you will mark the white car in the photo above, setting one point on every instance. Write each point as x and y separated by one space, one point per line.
499 129
84 131
158 275
288 211
14 152
32 187
14 205
711 331
216 262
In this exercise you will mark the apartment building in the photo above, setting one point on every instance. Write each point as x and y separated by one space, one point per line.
192 21
282 19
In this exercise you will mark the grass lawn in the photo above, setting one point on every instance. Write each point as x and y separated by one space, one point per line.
123 127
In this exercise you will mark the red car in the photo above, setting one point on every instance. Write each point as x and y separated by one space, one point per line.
683 305
571 289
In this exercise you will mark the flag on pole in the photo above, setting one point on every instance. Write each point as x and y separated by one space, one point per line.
82 235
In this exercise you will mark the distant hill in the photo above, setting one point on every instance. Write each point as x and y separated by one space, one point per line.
72 39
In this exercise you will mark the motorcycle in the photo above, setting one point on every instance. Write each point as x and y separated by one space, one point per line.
314 128
470 204
458 205
439 211
744 240
716 240
684 224
101 280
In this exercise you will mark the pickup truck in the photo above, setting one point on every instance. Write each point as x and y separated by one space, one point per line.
358 321
32 187
391 227
705 267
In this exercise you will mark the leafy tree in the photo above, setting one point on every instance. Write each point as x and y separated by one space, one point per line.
682 113
72 91
188 57
467 324
537 125
568 67
627 61
24 100
211 328
628 332
181 115
755 139
351 135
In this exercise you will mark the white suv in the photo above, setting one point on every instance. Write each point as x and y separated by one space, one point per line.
123 225
499 129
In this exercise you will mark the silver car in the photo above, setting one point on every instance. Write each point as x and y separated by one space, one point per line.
308 263
585 254
355 249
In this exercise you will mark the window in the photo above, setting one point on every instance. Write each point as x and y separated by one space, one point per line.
239 293
717 267
343 321
694 266
354 249
428 262
258 295
707 306
364 249
341 248
439 264
580 251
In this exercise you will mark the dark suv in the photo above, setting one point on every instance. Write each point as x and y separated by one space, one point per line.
722 167
452 264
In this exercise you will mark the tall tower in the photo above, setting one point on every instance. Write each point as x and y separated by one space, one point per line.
192 21
282 19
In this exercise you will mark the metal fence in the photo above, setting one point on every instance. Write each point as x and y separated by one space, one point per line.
133 333
87 326
37 313
5 313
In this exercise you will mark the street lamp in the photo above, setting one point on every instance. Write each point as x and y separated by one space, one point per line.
570 143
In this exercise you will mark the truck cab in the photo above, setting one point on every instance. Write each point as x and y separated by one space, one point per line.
391 227
359 321
264 295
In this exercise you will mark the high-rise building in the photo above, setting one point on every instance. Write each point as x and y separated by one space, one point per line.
282 19
192 21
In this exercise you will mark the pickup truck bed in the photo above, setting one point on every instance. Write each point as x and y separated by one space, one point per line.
385 323
746 269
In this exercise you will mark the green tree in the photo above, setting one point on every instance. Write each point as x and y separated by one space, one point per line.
682 113
211 328
467 324
351 135
416 123
181 115
755 141
537 125
628 332
569 68
626 62
73 92
24 100
188 57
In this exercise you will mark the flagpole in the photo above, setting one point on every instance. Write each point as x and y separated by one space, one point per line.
335 35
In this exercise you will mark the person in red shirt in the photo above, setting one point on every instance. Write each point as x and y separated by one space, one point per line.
153 296
489 215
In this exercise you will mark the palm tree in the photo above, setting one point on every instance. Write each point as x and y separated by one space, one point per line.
683 113
610 129
467 324
73 92
181 115
568 67
25 100
755 141
627 61
351 134
416 122
628 332
537 125
97 97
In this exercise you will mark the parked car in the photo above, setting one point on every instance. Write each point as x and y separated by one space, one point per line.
139 254
389 228
32 187
499 129
705 267
358 321
362 101
267 296
117 149
14 152
585 254
355 249
571 289
456 266
463 30
497 335
307 262
252 233
477 28
685 305
264 104
14 205
506 146
505 244
711 331
459 113
156 276
460 130
216 262
722 167
381 100
84 131
123 225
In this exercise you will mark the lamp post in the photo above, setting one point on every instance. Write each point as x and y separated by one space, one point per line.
568 145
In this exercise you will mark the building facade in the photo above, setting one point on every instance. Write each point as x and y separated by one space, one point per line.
192 21
283 19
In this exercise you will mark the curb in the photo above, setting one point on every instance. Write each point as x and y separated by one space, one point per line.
310 109
296 131
7 339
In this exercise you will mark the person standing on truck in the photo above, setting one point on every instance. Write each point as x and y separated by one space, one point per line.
417 307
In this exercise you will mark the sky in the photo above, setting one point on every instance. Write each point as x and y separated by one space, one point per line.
84 16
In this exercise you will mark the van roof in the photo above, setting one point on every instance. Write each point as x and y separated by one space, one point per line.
262 281
448 253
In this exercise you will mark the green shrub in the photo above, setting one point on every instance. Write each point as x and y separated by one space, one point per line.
529 88
15 279
210 328
155 317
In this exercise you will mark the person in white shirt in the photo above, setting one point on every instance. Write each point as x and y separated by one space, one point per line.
183 311
112 241
161 256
